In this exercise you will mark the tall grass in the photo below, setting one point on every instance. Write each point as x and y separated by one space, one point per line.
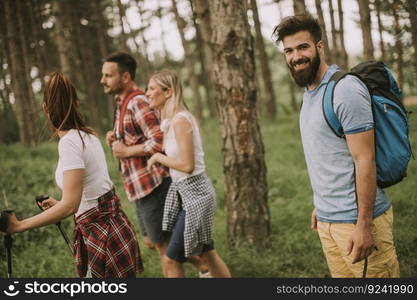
295 251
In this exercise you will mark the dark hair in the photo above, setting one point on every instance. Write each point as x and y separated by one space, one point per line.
125 63
293 24
61 104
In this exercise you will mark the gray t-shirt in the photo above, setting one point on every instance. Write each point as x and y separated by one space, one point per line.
329 162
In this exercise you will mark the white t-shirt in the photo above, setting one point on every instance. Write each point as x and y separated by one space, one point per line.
171 146
72 156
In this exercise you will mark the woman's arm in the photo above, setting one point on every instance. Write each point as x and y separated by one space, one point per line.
184 137
71 198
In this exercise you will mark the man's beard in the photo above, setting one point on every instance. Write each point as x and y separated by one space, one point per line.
305 77
118 89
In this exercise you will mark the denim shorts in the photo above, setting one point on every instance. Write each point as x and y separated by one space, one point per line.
150 210
175 248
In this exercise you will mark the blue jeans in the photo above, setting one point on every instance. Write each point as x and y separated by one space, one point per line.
175 248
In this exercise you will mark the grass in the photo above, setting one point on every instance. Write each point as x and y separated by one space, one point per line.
295 251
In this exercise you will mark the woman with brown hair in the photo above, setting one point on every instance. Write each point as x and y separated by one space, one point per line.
104 240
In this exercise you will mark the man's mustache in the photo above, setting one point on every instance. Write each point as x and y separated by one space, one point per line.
300 61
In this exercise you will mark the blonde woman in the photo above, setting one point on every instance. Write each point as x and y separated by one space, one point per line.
191 200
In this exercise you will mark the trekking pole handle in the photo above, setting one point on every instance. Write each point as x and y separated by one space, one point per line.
39 200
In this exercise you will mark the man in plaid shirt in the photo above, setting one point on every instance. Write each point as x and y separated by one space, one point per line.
134 139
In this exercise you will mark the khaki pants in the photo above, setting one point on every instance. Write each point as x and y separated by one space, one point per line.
382 263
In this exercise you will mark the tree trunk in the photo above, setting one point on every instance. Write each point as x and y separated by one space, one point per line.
398 43
143 40
189 64
412 10
365 21
335 44
327 52
344 63
123 33
33 117
62 36
100 27
90 66
377 4
127 32
26 117
205 57
165 52
299 7
248 217
271 107
40 62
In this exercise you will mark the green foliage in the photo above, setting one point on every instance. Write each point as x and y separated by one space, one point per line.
295 250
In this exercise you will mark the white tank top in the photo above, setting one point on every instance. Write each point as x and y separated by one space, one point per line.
171 146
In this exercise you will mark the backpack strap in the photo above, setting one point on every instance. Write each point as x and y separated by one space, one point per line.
327 103
119 132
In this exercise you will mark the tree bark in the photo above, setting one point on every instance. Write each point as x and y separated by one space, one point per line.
377 4
165 52
412 10
144 41
271 106
205 56
39 59
365 21
100 27
123 33
21 84
327 52
299 7
62 35
344 63
398 43
335 44
189 64
248 217
89 63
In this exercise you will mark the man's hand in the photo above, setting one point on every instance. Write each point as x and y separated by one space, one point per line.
314 220
152 161
361 243
120 150
110 138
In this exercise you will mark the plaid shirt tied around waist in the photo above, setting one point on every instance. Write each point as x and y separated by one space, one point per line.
105 242
199 202
140 126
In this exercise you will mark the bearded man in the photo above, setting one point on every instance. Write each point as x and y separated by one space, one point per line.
352 215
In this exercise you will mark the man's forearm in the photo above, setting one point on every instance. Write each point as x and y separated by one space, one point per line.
136 150
365 189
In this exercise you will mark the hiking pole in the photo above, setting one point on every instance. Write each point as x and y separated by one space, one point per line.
8 241
39 200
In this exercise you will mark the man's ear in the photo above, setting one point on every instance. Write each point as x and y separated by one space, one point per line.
126 77
320 47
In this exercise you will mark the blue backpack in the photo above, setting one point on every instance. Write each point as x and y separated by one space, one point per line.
392 145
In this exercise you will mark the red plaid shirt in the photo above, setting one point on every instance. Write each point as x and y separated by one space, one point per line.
105 242
140 126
